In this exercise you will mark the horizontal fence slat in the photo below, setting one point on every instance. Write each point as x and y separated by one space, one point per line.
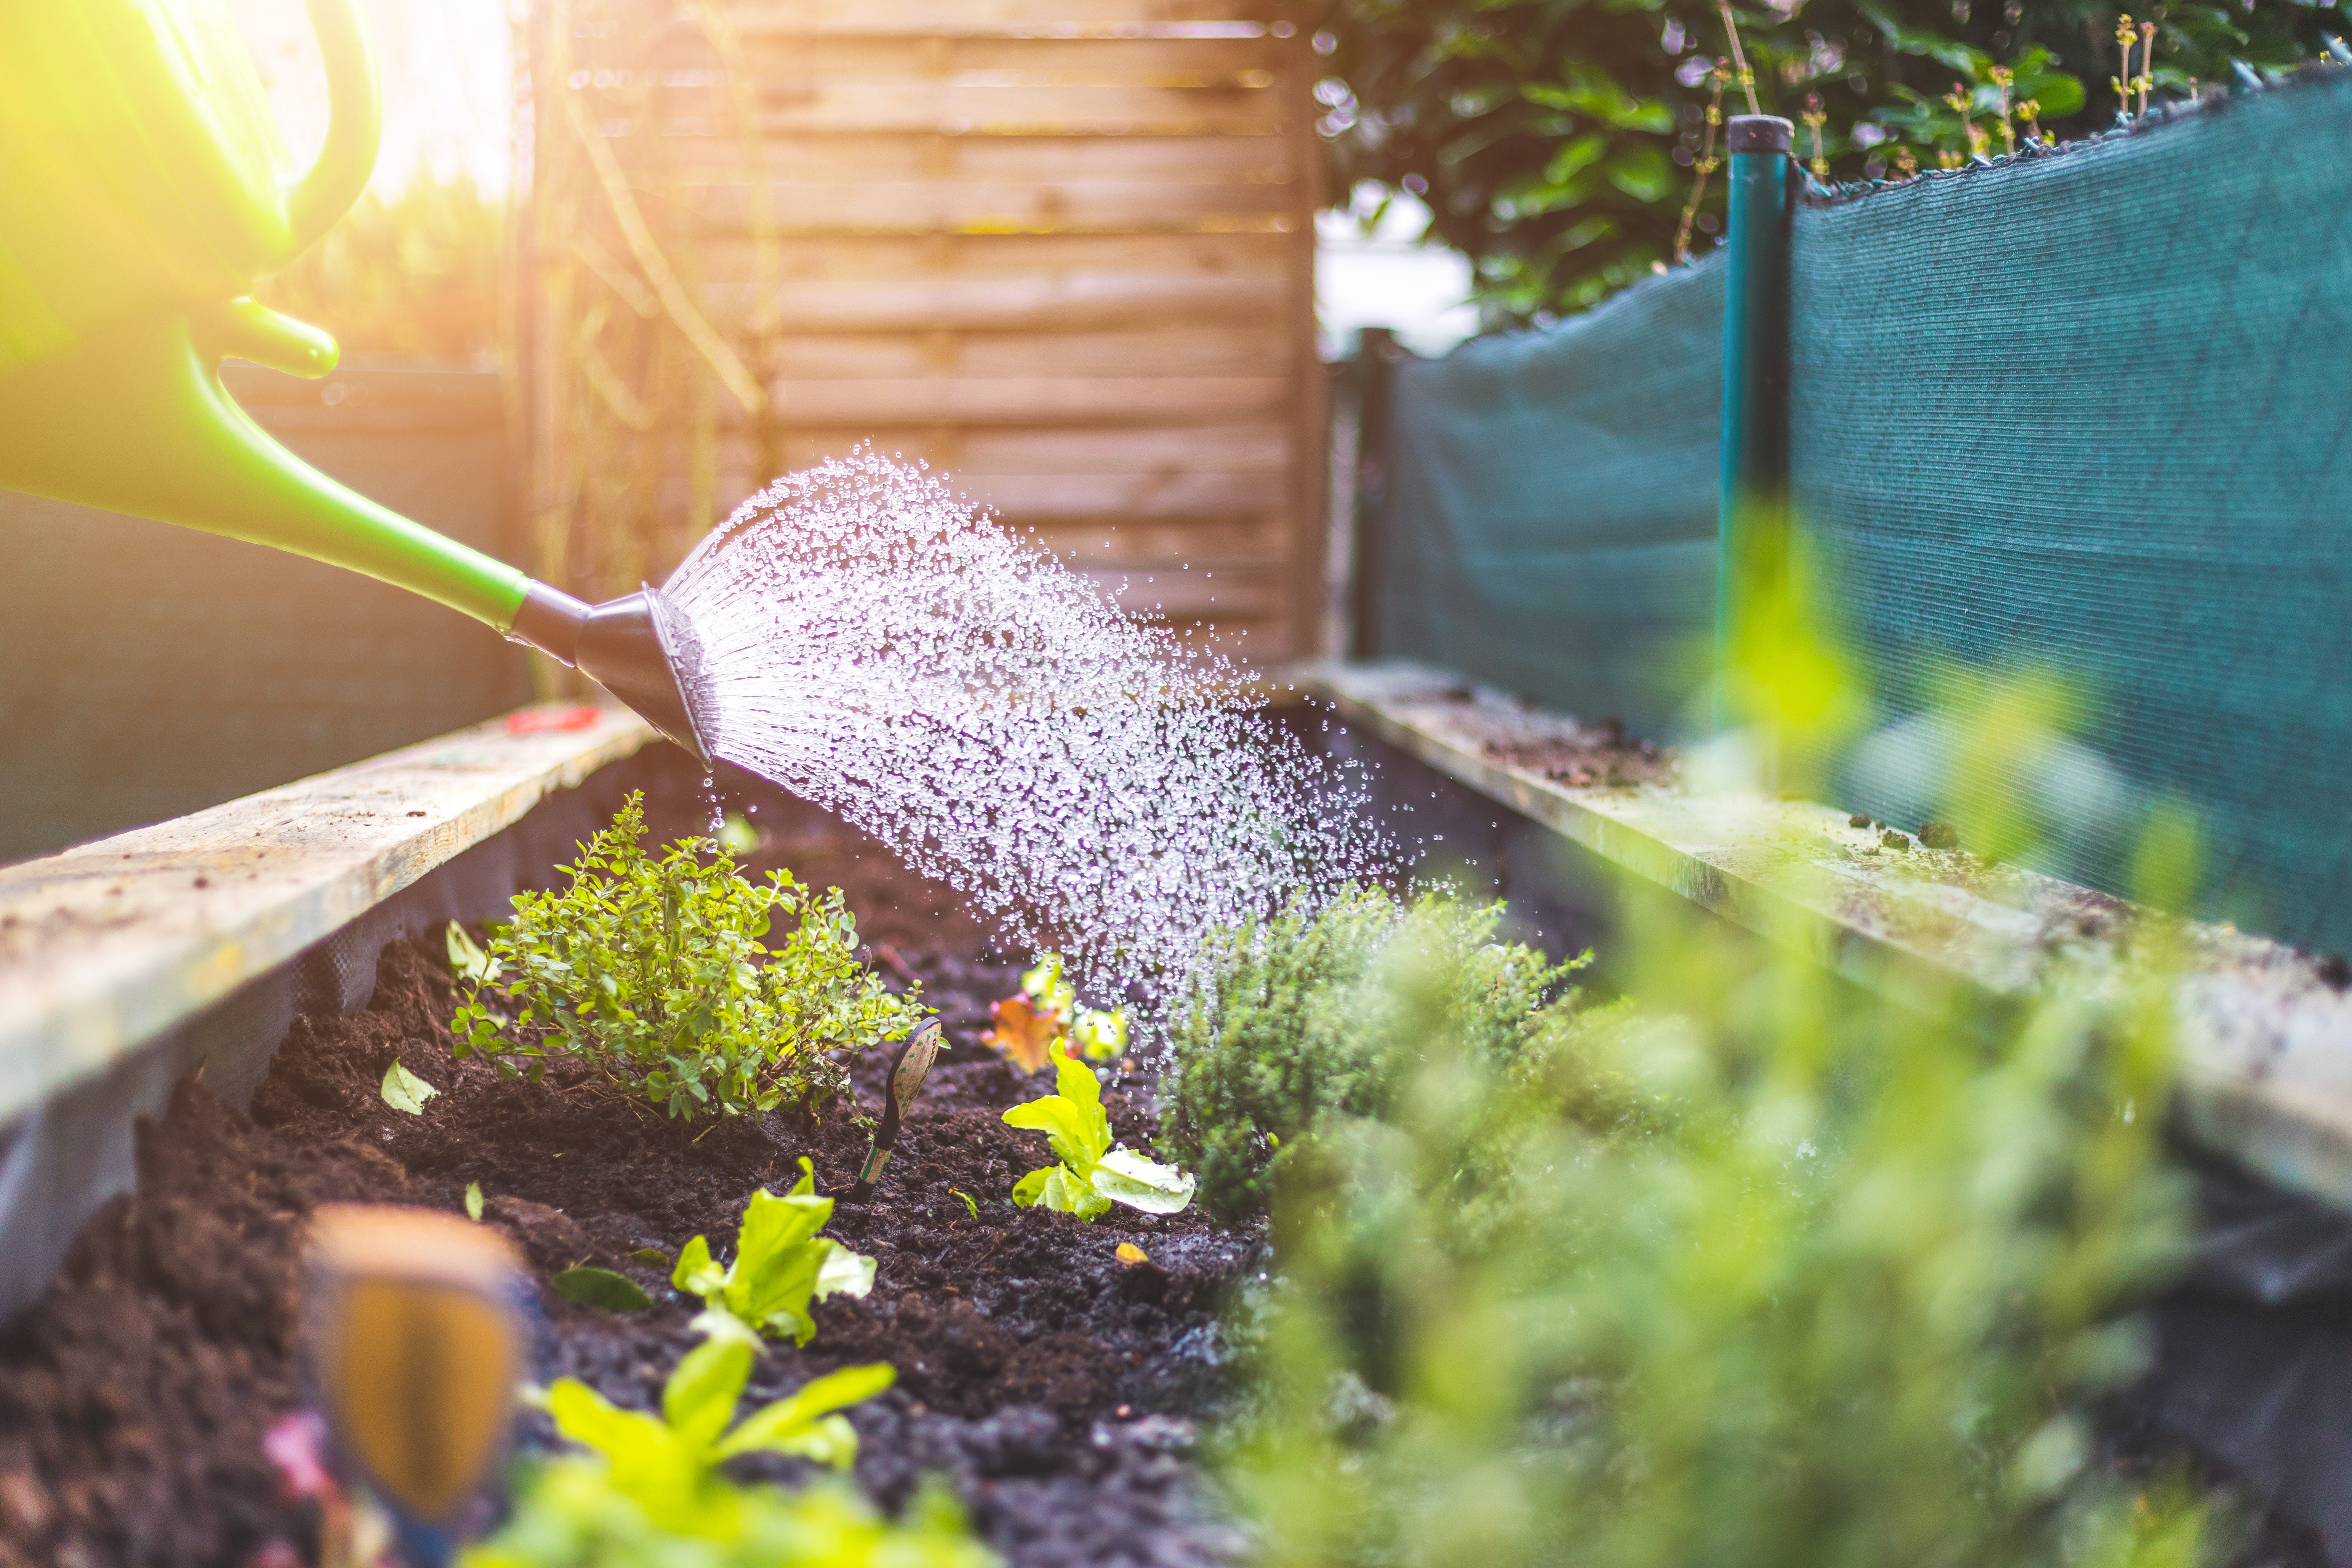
1035 260
1062 502
716 161
1149 544
1087 59
1245 594
972 206
970 108
1139 495
1065 302
1165 352
1009 400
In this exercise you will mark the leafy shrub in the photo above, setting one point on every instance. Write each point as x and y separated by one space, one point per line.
1090 1173
653 1493
1777 1273
781 1266
1555 142
657 971
1287 1023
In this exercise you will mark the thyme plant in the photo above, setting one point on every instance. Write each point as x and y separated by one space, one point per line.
1286 1023
657 970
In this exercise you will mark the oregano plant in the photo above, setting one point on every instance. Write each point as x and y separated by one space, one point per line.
658 970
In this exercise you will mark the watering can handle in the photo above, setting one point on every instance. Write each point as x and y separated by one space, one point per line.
354 124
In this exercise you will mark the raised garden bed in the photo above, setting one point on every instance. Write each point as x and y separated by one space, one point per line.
1063 1393
1056 1386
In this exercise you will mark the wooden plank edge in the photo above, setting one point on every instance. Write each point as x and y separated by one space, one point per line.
212 900
2265 1042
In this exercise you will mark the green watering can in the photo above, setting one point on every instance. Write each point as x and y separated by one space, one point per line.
139 200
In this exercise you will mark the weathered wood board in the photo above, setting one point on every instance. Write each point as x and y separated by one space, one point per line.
105 946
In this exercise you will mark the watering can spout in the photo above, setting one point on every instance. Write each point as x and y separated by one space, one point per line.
139 202
636 646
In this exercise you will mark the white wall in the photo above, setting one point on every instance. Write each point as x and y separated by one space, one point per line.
1388 278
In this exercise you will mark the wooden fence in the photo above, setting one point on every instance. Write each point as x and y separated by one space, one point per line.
1061 249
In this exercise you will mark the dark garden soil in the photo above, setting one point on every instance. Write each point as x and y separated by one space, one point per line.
1055 1386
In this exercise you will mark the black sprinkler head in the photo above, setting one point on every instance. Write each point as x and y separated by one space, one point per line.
635 647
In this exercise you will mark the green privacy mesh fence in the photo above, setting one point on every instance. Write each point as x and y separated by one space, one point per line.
2084 413
2088 412
1545 517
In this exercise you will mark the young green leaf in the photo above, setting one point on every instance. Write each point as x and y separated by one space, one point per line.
473 1200
1092 1172
468 959
804 1424
1126 1177
970 1208
403 1090
653 1256
603 1289
780 1264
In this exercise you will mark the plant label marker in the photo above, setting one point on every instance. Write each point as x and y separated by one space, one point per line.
907 1070
415 1346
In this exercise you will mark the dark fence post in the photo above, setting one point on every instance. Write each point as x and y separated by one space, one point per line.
1376 359
1753 519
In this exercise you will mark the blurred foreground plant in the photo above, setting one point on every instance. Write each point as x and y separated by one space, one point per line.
1771 1272
654 1496
657 972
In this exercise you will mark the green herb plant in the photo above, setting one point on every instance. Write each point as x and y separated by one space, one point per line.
658 971
1091 1172
653 1493
1287 1022
781 1266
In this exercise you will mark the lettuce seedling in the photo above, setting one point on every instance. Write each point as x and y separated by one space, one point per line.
1025 1028
658 971
666 1464
1093 1173
781 1266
